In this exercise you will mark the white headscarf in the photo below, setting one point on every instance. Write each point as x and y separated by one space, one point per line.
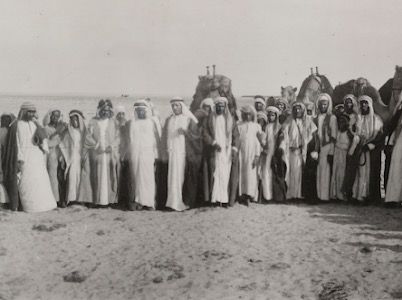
185 111
324 97
368 126
47 117
208 102
144 104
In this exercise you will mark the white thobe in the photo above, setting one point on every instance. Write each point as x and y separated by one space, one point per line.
143 147
104 189
74 168
177 161
249 148
394 186
266 170
223 160
295 161
34 184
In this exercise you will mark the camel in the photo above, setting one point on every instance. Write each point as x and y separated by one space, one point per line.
213 86
314 85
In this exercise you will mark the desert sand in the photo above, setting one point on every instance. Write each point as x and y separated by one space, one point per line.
259 252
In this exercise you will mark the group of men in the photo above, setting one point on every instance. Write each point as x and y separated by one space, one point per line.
266 152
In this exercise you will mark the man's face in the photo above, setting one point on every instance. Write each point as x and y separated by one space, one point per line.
74 121
220 108
281 106
258 106
141 112
247 117
348 105
272 117
297 112
309 111
364 107
55 117
30 115
176 108
207 108
323 106
106 112
120 116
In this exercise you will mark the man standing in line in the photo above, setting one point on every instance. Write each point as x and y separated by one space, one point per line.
326 132
102 141
143 141
221 136
173 139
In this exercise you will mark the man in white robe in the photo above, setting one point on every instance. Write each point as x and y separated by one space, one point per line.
102 141
327 131
249 154
142 152
71 147
175 151
368 127
33 180
299 134
221 137
259 103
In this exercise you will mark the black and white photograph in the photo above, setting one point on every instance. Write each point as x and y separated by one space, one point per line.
215 149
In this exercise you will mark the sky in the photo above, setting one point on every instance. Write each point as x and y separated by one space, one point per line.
162 46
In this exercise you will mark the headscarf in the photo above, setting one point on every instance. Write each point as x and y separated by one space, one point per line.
120 109
228 117
305 129
277 125
46 119
25 107
368 126
283 101
324 97
185 111
208 102
249 109
354 102
81 118
142 103
102 104
260 99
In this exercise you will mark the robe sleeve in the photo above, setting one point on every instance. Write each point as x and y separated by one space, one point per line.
206 135
164 146
157 141
21 143
90 142
235 136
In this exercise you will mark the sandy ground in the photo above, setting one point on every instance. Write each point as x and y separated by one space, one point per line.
260 252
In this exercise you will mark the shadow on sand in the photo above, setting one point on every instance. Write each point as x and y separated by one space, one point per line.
382 224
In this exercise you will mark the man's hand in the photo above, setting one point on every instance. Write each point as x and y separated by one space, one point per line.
314 155
181 131
234 153
217 148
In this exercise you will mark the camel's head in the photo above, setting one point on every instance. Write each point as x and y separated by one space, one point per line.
397 83
289 93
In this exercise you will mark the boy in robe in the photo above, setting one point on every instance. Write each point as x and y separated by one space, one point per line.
300 132
351 108
71 147
173 139
54 128
249 154
369 128
272 130
221 139
262 120
101 140
345 145
326 133
143 143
